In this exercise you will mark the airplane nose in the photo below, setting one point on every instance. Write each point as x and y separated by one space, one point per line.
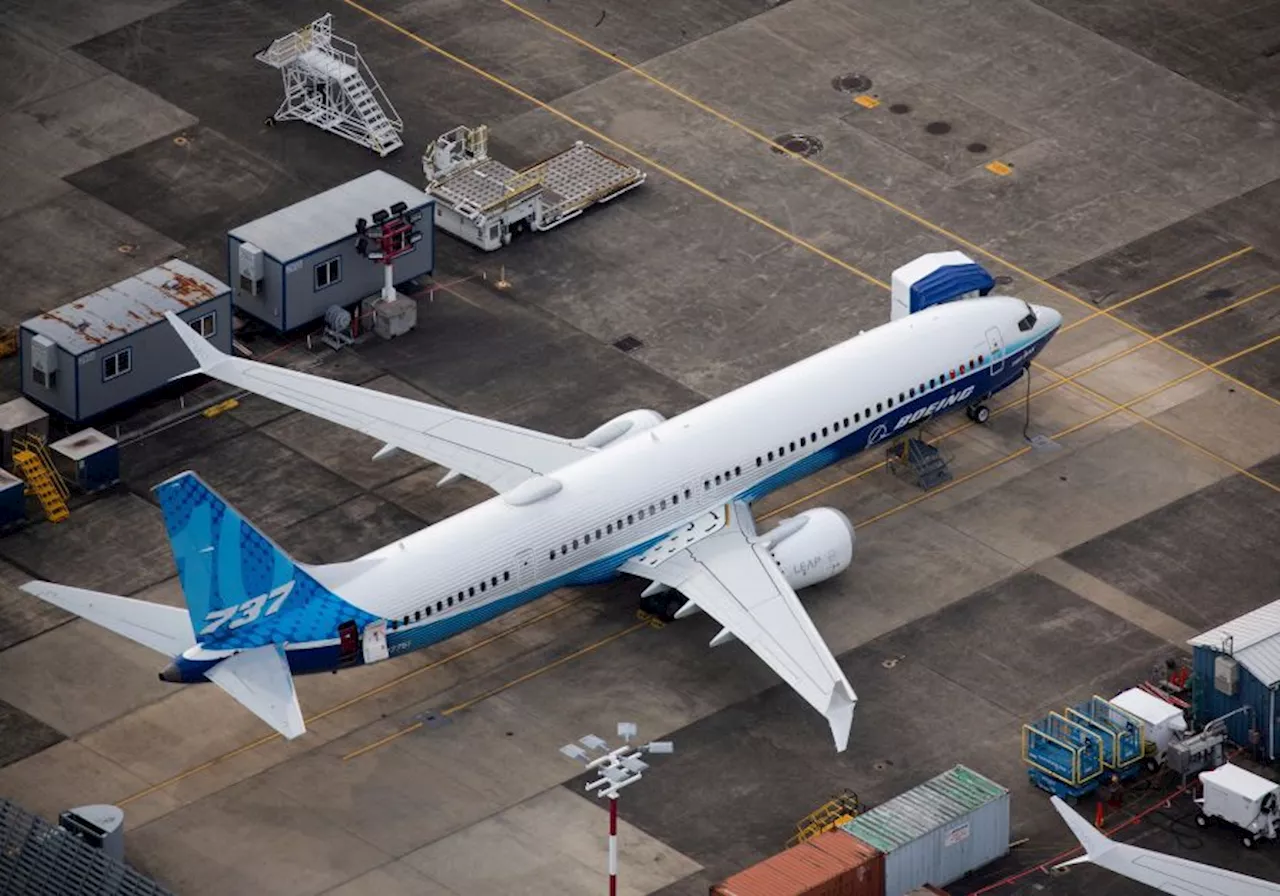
171 673
1049 316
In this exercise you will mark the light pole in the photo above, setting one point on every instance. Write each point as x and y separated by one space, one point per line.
616 769
391 235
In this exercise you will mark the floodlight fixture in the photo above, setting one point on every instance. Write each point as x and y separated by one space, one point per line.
573 751
633 764
398 208
380 216
660 746
627 730
361 226
591 742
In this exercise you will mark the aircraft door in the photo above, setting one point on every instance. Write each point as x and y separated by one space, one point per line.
348 643
374 641
995 342
524 567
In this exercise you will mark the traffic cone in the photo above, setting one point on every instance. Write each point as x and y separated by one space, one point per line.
1098 816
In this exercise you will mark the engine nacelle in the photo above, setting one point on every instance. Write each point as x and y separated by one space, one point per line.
812 547
622 427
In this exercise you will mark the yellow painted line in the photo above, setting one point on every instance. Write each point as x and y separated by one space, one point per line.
622 147
266 739
595 645
1155 289
998 167
1061 381
1001 168
866 101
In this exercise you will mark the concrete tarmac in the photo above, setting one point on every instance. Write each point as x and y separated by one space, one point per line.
1136 193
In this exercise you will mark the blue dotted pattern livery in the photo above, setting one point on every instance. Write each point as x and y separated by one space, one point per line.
241 589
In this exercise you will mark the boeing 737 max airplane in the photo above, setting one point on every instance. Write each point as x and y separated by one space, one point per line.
665 500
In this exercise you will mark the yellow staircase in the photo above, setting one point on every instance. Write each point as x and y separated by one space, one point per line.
842 807
33 462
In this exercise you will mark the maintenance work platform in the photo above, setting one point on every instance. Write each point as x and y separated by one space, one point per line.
484 202
1118 163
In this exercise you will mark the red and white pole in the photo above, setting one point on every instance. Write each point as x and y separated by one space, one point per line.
613 846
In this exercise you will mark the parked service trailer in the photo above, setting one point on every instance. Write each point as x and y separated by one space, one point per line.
483 201
830 864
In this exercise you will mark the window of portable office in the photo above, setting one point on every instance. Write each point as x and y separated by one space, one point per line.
1235 666
937 832
114 346
289 267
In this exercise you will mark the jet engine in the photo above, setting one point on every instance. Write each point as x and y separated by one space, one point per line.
812 547
621 428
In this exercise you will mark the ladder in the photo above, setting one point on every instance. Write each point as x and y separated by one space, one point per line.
32 460
841 808
328 84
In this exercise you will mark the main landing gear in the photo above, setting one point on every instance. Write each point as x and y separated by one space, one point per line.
978 413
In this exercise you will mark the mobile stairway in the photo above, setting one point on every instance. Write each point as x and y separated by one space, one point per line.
33 463
328 84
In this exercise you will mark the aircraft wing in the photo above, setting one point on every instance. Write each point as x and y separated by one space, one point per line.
497 454
720 564
1166 873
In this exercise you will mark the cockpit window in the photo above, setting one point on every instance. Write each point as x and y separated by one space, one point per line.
1029 321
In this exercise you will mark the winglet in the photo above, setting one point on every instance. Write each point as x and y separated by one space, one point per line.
840 714
1095 842
205 354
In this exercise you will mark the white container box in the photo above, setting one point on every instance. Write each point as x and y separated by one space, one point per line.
1248 801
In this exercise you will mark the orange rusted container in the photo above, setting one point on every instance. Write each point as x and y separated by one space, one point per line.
831 864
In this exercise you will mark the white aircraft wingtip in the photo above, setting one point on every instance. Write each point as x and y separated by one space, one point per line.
840 715
1094 841
205 354
260 679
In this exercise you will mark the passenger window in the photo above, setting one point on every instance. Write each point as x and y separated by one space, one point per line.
866 412
706 484
586 539
652 510
439 605
494 581
802 441
640 514
688 493
470 591
506 576
793 446
460 593
824 432
553 553
912 391
482 587
630 519
609 529
979 359
901 398
770 455
564 549
846 422
813 437
675 499
857 417
451 600
598 534
890 400
717 479
879 407
574 544
759 461
417 615
737 471
662 505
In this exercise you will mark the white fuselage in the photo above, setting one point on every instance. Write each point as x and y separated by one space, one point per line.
620 499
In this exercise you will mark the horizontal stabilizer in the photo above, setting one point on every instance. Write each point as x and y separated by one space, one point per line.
164 629
260 680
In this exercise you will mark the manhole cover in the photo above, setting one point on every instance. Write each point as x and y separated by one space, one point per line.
800 144
977 147
890 662
851 83
899 108
1219 293
882 764
628 343
938 127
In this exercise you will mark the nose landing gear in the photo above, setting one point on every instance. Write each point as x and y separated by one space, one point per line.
978 413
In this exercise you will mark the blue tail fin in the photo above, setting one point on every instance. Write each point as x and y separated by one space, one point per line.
241 589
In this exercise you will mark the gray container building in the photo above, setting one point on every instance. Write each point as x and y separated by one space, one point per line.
938 832
109 348
288 268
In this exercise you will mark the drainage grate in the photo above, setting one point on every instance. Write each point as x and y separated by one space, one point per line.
851 83
800 144
628 343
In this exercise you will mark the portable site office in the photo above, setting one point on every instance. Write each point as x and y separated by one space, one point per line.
291 266
99 352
